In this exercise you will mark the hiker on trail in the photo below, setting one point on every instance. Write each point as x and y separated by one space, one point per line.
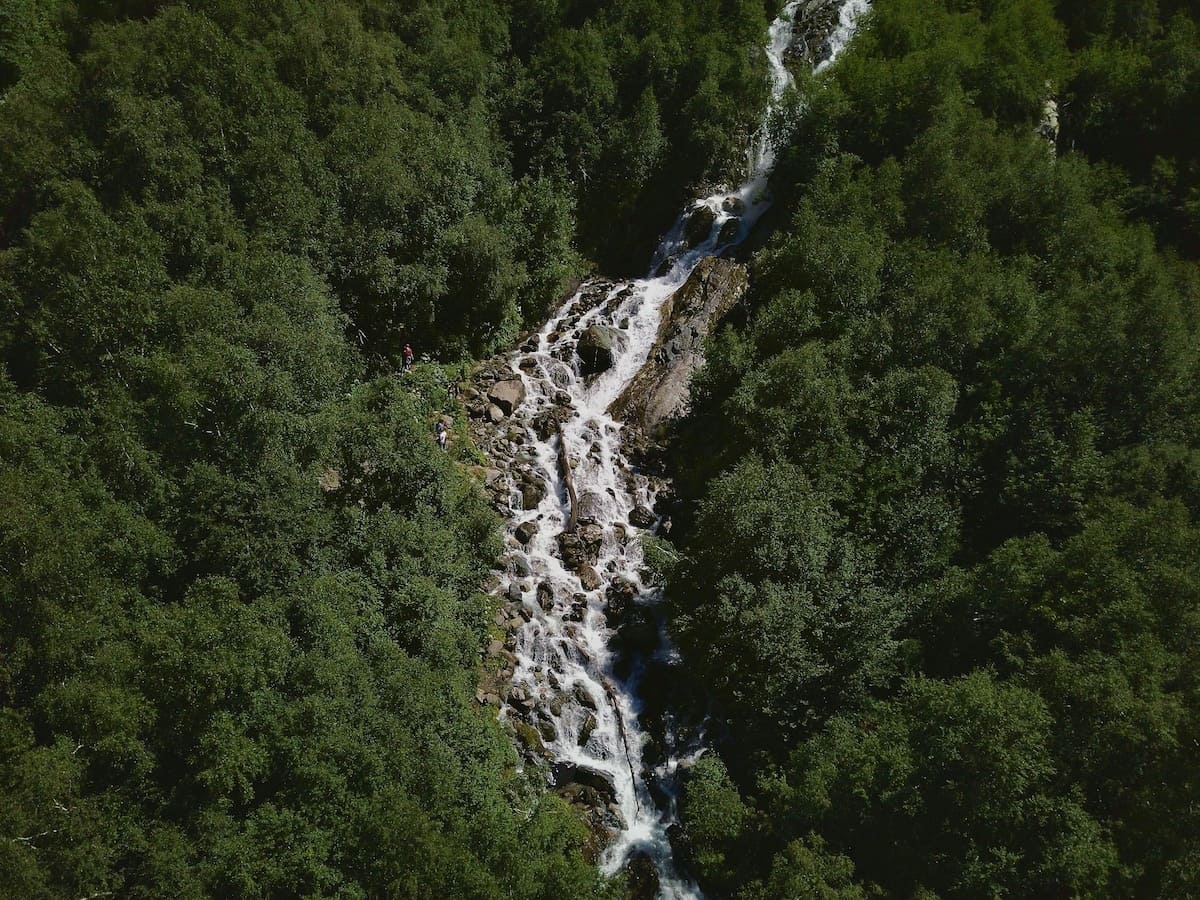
408 357
442 435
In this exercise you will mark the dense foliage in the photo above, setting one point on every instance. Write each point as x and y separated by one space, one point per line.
942 569
239 610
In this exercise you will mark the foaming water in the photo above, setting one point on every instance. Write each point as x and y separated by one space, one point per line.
587 641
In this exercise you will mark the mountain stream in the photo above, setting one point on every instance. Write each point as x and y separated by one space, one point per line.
575 557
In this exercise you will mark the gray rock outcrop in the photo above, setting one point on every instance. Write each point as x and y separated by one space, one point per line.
815 22
659 392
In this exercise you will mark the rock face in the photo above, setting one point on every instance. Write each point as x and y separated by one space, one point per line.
815 22
658 392
598 348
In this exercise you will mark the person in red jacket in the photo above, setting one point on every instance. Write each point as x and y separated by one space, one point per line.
408 357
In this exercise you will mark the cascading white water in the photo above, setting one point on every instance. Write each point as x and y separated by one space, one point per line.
565 666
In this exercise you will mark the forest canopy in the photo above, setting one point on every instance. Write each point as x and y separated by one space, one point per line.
241 615
941 570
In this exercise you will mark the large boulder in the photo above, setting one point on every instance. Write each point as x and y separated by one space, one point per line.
598 347
699 225
507 395
525 531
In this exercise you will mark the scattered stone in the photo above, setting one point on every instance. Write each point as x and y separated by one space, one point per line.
495 414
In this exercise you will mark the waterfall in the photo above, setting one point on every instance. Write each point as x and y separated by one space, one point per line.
581 597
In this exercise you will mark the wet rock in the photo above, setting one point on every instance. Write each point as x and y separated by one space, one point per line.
597 348
562 398
729 230
585 730
642 516
521 566
533 493
733 205
618 600
546 423
545 594
495 414
560 376
525 531
521 700
581 696
814 23
577 609
589 577
571 550
592 536
507 395
514 592
528 364
641 878
546 729
601 783
591 507
699 225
